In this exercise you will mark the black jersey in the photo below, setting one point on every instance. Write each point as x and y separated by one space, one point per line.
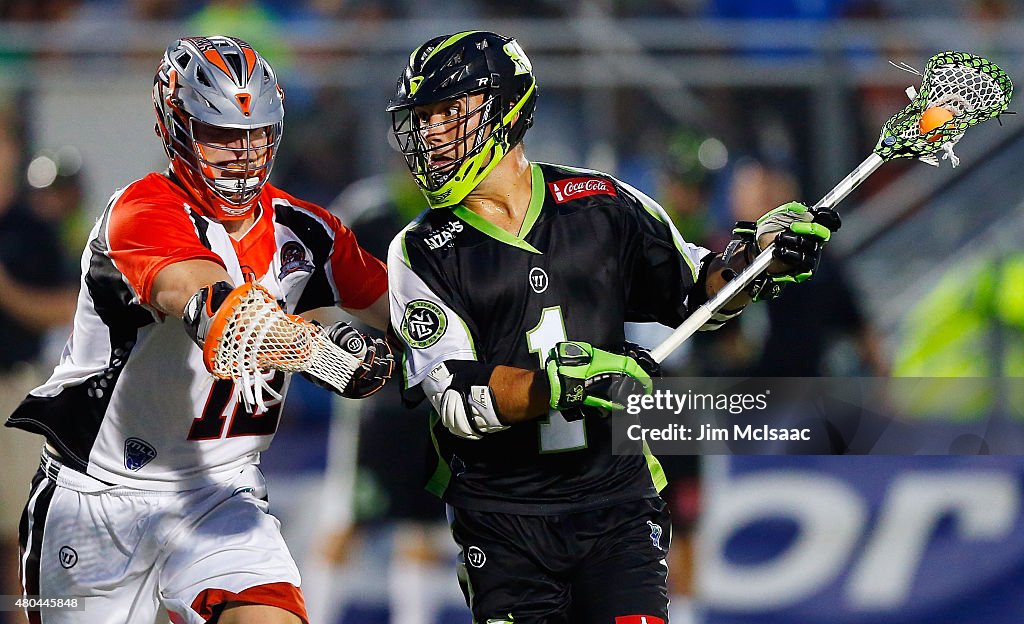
592 253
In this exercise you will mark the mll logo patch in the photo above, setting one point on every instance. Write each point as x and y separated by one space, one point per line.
424 323
293 258
137 453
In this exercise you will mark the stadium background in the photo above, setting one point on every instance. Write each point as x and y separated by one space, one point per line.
718 108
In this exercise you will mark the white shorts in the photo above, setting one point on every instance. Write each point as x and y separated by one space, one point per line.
141 556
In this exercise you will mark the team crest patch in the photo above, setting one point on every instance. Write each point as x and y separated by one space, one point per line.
293 258
424 323
137 453
577 188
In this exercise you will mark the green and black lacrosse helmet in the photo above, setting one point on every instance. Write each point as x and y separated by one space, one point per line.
454 67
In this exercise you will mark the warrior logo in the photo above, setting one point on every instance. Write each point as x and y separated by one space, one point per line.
424 323
293 258
137 453
538 280
68 557
355 345
476 557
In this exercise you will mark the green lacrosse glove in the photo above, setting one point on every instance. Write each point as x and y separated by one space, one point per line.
800 237
583 376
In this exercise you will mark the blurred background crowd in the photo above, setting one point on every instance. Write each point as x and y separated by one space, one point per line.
720 109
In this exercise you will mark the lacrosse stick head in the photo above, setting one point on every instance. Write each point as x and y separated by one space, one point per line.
972 88
250 335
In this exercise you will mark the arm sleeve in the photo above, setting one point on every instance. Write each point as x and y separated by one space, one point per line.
359 277
145 236
426 321
661 267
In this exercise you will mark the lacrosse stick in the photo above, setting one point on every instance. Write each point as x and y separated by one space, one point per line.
972 89
250 334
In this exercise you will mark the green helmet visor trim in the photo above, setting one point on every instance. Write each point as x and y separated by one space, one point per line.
446 172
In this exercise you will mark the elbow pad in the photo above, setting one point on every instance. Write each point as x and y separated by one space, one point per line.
459 391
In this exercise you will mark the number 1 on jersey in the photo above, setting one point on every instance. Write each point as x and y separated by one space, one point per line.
557 434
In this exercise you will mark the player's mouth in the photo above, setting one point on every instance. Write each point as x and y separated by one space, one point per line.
439 162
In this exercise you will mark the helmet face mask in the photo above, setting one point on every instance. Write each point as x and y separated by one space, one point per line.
234 163
481 85
220 114
464 131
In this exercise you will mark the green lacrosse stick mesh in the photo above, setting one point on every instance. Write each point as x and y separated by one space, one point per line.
971 87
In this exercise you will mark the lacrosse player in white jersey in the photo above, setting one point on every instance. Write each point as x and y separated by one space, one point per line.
148 504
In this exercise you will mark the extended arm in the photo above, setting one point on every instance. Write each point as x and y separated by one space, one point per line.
475 399
375 315
176 283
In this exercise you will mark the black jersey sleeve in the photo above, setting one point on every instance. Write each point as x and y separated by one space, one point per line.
425 311
661 267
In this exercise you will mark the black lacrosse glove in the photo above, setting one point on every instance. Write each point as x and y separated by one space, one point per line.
801 247
378 363
800 240
642 355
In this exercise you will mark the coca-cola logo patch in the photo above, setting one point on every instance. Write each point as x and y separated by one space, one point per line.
576 188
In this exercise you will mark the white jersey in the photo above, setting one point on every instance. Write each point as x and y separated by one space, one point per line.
131 402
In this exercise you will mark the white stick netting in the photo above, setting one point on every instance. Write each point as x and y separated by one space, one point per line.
257 335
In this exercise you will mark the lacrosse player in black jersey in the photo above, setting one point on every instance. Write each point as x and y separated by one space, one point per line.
510 294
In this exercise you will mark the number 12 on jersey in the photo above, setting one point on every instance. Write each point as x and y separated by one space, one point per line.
556 434
210 426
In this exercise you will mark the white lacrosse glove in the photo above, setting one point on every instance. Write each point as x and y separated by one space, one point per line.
471 415
469 410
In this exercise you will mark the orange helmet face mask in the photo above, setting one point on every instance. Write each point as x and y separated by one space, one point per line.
220 114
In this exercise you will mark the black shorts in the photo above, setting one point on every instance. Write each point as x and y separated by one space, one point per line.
605 566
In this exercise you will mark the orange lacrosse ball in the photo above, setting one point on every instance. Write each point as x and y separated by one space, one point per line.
932 119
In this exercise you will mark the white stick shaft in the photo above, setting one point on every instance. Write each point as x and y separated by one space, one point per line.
850 182
704 313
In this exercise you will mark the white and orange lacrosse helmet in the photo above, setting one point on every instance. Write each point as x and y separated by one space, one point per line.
220 114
